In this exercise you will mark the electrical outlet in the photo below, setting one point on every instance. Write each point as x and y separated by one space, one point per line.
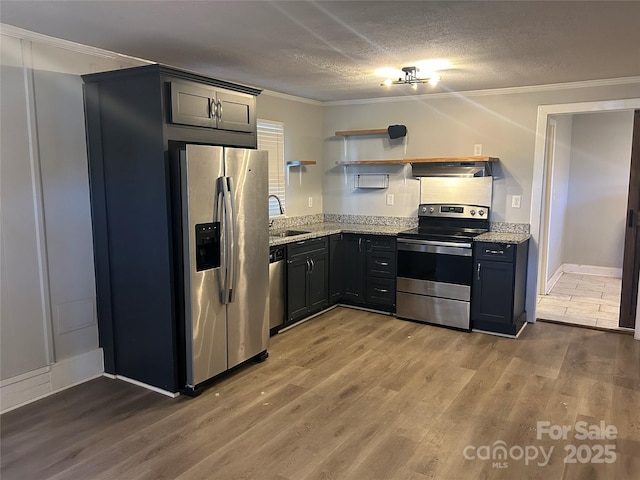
515 201
390 199
310 202
477 150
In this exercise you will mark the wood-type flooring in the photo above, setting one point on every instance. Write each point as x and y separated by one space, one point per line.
356 395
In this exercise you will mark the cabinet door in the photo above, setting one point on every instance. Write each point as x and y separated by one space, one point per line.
297 299
236 111
318 282
353 278
492 297
191 105
336 265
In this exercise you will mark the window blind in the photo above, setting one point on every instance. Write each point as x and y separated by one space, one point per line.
271 139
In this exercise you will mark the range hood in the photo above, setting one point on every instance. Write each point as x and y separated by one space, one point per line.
454 167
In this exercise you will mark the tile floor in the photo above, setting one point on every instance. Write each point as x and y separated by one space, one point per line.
590 300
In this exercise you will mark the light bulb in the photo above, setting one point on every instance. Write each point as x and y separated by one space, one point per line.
414 86
433 81
387 82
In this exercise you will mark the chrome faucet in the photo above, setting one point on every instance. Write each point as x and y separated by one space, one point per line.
279 203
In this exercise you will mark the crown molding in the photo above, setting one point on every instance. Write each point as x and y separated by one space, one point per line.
489 92
16 32
293 98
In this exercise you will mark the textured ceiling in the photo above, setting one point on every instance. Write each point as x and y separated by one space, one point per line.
330 50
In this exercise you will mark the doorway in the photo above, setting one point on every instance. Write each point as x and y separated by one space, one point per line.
537 276
587 179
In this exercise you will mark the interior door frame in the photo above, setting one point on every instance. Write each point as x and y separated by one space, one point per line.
550 153
631 262
538 185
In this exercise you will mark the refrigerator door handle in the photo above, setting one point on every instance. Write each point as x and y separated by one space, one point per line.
221 210
233 252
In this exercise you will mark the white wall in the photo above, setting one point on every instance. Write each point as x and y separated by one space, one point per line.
559 189
449 126
302 141
24 314
598 189
48 324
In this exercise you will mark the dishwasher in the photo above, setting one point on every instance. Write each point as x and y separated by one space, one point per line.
276 288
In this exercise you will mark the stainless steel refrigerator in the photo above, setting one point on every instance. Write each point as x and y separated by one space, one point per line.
225 258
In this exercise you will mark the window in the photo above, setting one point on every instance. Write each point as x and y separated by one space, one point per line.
271 139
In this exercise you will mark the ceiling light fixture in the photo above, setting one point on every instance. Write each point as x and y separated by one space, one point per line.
411 78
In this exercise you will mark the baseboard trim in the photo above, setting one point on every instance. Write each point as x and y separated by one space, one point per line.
498 334
559 321
553 280
145 385
29 387
592 270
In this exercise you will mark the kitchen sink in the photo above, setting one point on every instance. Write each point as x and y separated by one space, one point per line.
288 233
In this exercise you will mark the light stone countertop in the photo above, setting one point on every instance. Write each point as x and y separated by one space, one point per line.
500 237
322 229
317 230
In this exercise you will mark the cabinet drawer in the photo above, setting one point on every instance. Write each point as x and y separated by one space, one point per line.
382 264
381 243
497 252
305 247
381 291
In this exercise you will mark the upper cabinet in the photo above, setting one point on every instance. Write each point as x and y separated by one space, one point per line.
177 105
203 106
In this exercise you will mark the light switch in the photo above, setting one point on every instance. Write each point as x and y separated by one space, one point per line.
515 201
390 199
477 150
310 202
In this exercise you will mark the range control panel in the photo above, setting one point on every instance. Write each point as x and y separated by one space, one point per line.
453 211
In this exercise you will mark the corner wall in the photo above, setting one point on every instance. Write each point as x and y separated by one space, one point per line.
558 194
302 141
48 324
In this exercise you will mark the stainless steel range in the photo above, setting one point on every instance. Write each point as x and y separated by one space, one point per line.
435 265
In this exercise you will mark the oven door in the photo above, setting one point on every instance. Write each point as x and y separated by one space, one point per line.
437 262
434 281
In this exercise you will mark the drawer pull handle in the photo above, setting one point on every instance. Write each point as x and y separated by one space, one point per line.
384 264
478 271
381 290
494 252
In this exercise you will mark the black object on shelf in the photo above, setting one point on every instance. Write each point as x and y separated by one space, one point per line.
397 131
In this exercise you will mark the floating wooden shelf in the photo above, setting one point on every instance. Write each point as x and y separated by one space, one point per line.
420 160
450 159
372 162
297 163
374 131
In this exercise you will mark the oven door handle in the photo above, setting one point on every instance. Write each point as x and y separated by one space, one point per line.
446 248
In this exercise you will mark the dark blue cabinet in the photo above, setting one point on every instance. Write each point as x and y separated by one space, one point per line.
498 290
